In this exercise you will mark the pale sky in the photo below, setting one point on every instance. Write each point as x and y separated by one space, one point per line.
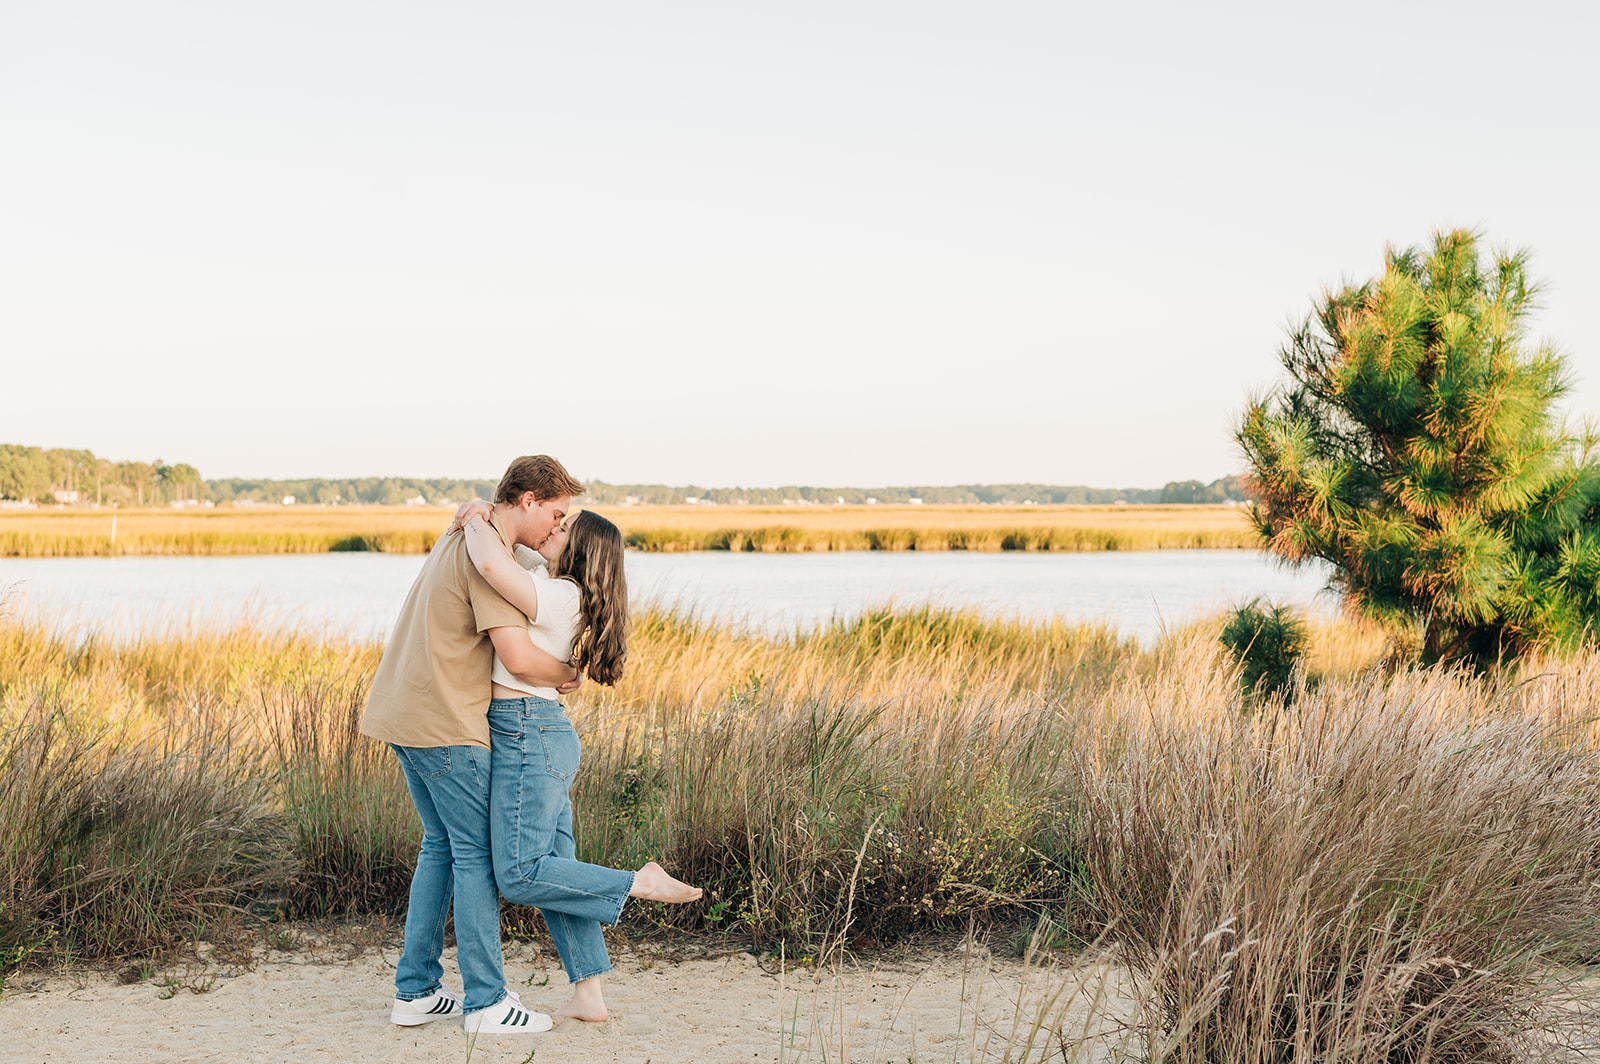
825 243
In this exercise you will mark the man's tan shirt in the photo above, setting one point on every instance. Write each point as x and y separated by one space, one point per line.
432 686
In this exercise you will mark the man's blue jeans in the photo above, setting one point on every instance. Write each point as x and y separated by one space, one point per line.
535 758
450 787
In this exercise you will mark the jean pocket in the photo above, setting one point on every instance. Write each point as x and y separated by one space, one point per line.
562 751
429 762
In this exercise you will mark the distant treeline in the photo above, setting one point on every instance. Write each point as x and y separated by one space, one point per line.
387 491
47 476
969 494
1225 489
34 474
396 490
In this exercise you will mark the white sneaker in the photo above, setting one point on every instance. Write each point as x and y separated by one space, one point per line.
436 1006
509 1016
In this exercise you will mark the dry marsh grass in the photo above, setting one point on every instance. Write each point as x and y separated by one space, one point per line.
981 528
1393 866
412 530
1381 872
225 530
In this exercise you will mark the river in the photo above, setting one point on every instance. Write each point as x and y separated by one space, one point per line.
1139 592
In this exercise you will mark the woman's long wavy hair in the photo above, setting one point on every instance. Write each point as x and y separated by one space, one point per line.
592 559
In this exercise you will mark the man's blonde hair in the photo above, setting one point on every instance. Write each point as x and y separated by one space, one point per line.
539 473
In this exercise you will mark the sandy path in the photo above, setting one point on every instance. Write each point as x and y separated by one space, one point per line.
935 1006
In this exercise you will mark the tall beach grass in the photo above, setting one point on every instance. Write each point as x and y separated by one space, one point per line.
1392 865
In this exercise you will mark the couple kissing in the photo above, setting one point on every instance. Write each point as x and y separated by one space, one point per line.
515 606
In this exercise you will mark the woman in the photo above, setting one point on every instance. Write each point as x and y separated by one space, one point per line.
578 612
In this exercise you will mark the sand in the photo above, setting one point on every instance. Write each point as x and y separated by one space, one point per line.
941 1004
954 1005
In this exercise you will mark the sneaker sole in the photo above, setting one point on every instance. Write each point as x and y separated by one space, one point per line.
418 1021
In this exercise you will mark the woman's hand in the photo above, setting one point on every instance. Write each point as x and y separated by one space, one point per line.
467 511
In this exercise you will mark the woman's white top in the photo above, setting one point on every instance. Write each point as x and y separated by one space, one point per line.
554 627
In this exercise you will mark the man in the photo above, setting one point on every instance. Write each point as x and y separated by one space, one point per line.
429 702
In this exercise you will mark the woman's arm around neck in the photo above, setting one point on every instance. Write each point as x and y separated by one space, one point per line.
498 567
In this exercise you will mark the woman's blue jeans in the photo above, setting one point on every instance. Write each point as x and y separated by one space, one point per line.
535 754
450 788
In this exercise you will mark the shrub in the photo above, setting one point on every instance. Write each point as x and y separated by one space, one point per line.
1267 643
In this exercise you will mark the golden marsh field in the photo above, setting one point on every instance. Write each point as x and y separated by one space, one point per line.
1395 864
412 530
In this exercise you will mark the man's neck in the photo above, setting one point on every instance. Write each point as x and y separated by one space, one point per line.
508 519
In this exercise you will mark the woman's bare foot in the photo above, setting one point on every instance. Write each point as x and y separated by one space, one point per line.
653 884
588 1002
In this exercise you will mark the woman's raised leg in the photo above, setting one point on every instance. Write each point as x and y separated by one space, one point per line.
581 942
536 754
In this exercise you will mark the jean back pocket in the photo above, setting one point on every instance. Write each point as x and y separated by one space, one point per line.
562 751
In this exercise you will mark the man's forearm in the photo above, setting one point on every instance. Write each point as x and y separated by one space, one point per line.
544 671
526 662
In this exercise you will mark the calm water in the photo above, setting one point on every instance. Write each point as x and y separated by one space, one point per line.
1139 592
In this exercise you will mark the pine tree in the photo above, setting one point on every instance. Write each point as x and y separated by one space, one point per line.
1416 448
